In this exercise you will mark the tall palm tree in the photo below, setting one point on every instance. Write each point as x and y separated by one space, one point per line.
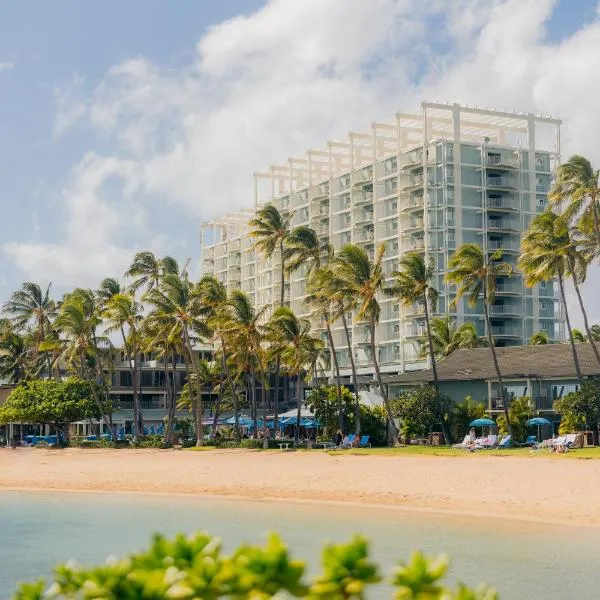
14 354
124 314
176 304
577 193
547 253
475 276
447 338
271 229
32 307
299 350
242 331
539 338
360 281
412 284
148 270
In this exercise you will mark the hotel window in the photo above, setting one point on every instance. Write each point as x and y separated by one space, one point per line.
543 284
543 305
539 161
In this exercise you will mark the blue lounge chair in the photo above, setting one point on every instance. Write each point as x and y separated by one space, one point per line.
505 442
364 442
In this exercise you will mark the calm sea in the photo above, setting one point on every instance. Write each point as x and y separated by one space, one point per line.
521 560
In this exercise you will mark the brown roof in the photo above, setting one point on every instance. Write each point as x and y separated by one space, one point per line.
516 362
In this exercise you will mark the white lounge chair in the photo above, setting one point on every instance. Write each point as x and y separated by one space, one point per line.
464 443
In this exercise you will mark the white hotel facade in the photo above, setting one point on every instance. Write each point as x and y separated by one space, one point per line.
426 182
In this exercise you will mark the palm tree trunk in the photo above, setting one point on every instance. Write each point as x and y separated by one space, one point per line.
298 412
392 431
264 405
253 404
354 375
168 435
488 329
431 349
563 299
222 380
584 314
337 373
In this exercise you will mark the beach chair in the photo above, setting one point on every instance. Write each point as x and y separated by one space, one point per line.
559 444
348 442
505 442
364 442
486 443
464 443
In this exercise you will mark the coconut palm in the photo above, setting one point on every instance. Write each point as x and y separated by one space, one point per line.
447 338
14 354
270 230
33 308
475 276
177 307
124 314
291 339
547 253
595 332
412 284
539 338
148 270
578 336
360 281
576 193
241 329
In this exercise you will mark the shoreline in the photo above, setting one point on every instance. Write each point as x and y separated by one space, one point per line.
545 491
404 508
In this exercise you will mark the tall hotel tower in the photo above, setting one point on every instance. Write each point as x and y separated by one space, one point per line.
427 182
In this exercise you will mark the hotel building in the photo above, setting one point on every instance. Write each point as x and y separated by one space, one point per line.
426 182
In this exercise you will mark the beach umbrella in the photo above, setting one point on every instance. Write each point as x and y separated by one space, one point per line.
538 421
482 423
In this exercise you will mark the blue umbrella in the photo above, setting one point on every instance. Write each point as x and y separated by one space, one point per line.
538 421
482 423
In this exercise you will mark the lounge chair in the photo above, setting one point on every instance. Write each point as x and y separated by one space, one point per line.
464 444
505 442
364 442
486 443
347 443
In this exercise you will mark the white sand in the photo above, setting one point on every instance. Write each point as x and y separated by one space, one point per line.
540 488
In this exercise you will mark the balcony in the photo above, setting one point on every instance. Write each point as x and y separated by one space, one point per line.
505 309
414 203
413 224
506 331
144 404
509 289
502 182
412 181
415 309
500 161
363 198
506 224
412 331
365 236
364 175
363 216
500 204
506 245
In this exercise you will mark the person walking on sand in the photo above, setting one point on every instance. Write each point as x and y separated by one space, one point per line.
339 438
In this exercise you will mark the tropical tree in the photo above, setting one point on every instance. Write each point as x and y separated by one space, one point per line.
242 332
148 270
462 414
298 349
124 314
539 338
576 192
33 308
360 281
14 354
447 338
578 336
177 307
548 252
270 230
412 284
475 276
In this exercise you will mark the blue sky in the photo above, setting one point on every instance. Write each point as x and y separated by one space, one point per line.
124 124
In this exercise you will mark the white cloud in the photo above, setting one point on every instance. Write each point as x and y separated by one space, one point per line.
7 66
290 76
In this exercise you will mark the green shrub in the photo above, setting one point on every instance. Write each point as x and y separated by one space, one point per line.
152 440
187 568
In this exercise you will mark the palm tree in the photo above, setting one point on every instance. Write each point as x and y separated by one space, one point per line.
299 350
578 336
242 331
123 313
177 306
412 284
548 252
539 338
595 332
271 229
475 276
32 307
14 354
360 281
447 338
149 270
577 193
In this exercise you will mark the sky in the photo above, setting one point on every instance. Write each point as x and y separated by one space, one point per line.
123 125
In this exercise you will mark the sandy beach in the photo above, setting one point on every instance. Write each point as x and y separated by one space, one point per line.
546 489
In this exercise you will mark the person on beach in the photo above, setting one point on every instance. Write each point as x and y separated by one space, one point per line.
339 438
472 435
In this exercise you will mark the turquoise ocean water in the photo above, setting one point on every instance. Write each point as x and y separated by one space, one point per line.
521 560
